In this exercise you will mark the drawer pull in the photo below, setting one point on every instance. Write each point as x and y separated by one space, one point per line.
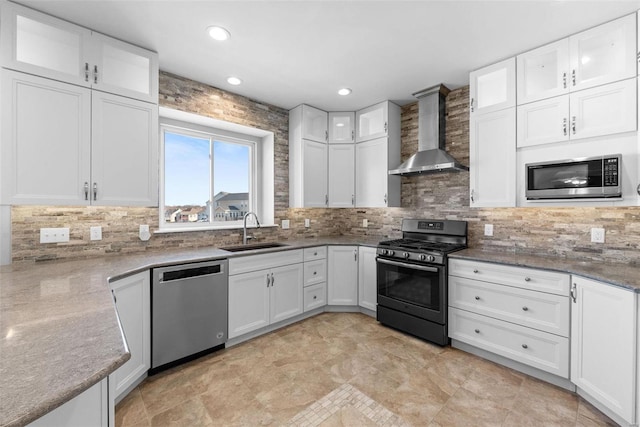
525 346
527 279
315 254
315 272
315 297
477 331
525 308
477 298
475 270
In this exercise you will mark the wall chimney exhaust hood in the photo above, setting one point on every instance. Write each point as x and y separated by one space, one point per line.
431 156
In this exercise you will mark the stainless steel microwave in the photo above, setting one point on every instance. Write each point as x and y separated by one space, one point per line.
586 177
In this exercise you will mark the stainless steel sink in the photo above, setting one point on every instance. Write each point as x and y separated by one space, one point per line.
252 247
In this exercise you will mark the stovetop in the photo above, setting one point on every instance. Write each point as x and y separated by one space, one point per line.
422 245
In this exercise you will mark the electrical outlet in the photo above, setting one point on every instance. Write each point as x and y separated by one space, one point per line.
54 235
597 235
307 223
365 223
96 233
285 224
144 233
488 229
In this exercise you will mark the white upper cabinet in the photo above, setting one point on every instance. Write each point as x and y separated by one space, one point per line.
341 128
543 121
543 72
603 54
372 122
374 186
493 87
314 124
39 44
342 175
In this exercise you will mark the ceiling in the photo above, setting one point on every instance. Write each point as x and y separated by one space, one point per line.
293 52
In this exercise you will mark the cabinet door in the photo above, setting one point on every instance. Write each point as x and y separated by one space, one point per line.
493 88
342 175
314 124
124 154
248 302
372 122
603 54
367 278
342 275
314 171
123 69
543 122
341 128
286 299
543 72
46 141
604 110
603 344
131 296
492 158
372 173
40 44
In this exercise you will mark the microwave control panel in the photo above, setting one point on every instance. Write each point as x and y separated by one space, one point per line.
610 172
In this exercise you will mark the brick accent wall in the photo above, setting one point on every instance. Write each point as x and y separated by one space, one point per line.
563 232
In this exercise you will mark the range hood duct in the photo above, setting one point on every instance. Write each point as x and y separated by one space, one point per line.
431 156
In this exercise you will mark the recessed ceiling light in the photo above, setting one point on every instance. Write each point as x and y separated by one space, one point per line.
218 33
344 91
234 81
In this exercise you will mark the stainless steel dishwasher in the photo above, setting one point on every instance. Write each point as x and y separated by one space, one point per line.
188 312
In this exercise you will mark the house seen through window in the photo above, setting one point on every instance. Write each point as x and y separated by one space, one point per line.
207 178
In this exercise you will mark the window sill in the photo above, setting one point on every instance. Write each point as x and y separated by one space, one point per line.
209 228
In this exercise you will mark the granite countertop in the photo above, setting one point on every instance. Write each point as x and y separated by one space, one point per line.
618 274
59 328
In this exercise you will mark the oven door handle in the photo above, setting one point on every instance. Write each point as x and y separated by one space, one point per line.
402 264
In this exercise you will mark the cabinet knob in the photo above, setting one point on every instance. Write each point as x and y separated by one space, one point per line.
475 270
525 346
477 331
527 279
315 254
477 298
315 297
315 272
525 308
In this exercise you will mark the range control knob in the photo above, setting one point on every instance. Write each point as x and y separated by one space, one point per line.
423 257
390 253
385 252
430 258
406 255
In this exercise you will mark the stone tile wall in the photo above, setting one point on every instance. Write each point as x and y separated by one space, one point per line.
563 232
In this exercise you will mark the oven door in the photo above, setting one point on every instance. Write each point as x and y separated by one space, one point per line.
419 290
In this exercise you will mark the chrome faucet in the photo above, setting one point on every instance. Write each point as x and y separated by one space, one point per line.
244 227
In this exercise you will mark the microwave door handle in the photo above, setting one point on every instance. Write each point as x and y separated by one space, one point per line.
413 266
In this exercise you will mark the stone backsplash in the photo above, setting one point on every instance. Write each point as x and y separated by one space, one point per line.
562 232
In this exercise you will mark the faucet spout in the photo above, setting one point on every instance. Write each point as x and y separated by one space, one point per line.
245 238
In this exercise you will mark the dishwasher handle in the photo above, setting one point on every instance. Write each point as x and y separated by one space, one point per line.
186 272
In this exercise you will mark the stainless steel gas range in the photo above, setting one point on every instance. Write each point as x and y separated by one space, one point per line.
412 277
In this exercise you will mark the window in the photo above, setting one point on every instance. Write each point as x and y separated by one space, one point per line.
209 178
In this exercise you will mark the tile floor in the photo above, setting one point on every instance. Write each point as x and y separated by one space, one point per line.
345 369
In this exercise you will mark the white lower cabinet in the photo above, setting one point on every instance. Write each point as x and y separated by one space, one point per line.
90 408
518 313
342 275
131 295
315 278
367 278
265 295
604 346
315 296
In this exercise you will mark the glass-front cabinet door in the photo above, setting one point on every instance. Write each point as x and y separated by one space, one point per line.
543 72
314 124
493 88
341 128
42 45
372 122
603 54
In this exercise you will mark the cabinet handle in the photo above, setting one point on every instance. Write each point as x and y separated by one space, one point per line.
472 199
527 279
273 281
326 199
573 124
471 106
268 280
385 199
525 308
386 127
86 71
525 346
353 199
564 80
477 298
95 191
353 135
477 331
564 126
573 77
574 292
115 298
475 270
355 255
638 189
95 74
326 135
86 190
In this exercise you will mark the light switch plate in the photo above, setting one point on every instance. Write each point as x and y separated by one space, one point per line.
488 229
307 222
597 235
54 235
96 232
285 224
365 223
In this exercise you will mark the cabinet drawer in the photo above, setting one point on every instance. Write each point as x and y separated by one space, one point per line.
315 296
318 252
546 312
315 272
520 277
541 350
245 264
